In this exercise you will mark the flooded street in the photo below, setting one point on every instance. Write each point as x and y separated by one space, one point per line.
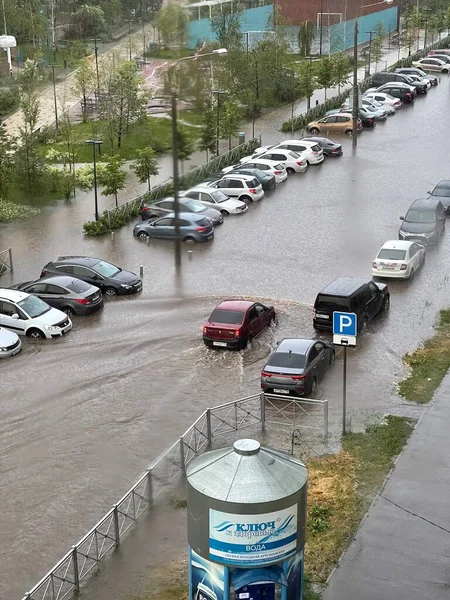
82 417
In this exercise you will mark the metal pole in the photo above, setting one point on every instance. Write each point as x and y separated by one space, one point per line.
325 418
321 27
116 526
150 486
262 400
208 426
344 395
425 33
308 103
54 97
218 123
76 573
95 183
182 456
370 48
8 50
355 86
129 37
10 260
176 200
96 66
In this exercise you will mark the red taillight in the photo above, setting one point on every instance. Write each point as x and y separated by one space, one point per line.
277 172
266 374
409 95
237 333
204 329
298 377
82 300
403 267
252 191
300 162
374 265
42 274
202 229
315 153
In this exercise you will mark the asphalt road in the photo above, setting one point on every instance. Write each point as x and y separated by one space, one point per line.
83 416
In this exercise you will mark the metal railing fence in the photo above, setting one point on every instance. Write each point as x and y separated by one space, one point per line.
256 411
6 261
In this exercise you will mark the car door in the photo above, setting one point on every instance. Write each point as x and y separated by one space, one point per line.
312 367
38 289
7 310
87 275
55 295
329 123
375 301
163 228
264 314
235 188
441 218
164 207
322 362
254 321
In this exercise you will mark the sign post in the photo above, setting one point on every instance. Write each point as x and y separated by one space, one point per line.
344 334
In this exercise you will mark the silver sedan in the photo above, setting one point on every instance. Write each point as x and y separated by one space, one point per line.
10 343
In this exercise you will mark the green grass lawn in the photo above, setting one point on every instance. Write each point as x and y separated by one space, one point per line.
169 54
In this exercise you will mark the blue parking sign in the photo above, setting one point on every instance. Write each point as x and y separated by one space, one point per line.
344 324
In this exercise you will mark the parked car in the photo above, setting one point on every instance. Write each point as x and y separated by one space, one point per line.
415 71
417 79
398 259
213 198
28 315
341 123
245 188
265 178
292 161
444 57
193 228
386 100
10 343
439 51
234 323
365 117
399 90
329 147
424 222
429 63
442 192
310 151
167 205
268 166
71 296
111 280
363 297
296 366
380 111
379 79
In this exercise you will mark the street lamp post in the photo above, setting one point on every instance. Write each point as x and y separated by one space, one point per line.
52 66
321 27
219 93
96 66
355 70
95 143
370 50
176 199
129 39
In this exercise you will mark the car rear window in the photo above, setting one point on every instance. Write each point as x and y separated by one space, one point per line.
315 148
290 360
325 302
293 154
230 317
442 192
252 183
392 254
203 221
78 286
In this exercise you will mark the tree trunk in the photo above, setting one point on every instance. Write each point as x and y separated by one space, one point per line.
229 143
115 196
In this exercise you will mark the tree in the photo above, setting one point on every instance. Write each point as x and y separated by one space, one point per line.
341 69
30 105
307 79
88 20
226 24
172 22
208 139
324 73
145 165
408 34
113 176
185 144
230 121
84 83
305 38
7 148
377 43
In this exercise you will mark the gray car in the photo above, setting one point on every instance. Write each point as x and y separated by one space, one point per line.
167 205
442 192
69 294
10 343
193 228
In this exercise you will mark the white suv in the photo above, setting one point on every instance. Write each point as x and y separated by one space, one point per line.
311 151
242 187
29 315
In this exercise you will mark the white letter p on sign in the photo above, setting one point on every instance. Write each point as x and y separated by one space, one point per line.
344 322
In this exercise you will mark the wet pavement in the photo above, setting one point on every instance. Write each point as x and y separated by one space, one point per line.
83 416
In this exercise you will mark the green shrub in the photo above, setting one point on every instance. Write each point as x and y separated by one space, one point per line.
16 212
9 101
95 228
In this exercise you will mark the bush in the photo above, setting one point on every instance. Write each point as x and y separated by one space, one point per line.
9 101
16 212
95 228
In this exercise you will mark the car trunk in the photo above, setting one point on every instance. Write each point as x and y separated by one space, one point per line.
222 331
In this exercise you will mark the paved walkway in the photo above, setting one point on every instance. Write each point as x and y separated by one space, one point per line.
397 556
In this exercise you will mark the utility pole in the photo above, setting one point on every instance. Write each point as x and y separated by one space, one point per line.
8 50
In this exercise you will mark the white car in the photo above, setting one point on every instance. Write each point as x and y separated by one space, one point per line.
268 166
213 198
384 99
432 64
10 343
398 259
311 151
293 162
241 187
28 315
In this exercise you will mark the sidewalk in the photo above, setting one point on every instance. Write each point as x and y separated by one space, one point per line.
396 555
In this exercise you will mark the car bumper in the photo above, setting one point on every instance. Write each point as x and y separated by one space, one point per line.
284 388
281 178
11 351
422 91
300 168
257 197
239 211
213 343
315 160
323 325
331 153
134 289
217 221
56 334
205 238
385 274
89 309
429 241
268 187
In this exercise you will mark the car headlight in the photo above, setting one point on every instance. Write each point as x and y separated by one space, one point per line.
51 327
126 286
2 349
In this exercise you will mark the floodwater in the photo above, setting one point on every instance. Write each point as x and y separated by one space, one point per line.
81 417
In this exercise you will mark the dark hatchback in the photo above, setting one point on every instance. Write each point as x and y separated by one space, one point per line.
424 222
163 207
233 323
70 295
329 147
193 228
442 192
296 366
267 180
112 280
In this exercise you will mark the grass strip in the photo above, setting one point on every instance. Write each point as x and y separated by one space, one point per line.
428 364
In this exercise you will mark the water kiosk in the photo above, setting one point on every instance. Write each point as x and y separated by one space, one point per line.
246 524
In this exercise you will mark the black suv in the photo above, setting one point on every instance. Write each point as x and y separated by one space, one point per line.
387 77
112 280
424 222
363 297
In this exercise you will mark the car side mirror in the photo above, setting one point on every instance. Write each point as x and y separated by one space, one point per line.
402 218
15 316
428 192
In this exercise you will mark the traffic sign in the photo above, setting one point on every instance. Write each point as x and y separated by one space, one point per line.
344 328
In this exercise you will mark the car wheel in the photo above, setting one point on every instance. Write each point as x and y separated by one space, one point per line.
225 213
289 170
349 132
142 235
110 291
35 334
364 323
411 275
243 343
314 130
189 240
445 71
332 357
313 387
386 303
246 199
68 310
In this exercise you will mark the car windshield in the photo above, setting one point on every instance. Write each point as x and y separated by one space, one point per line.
326 303
230 317
78 286
33 306
420 216
219 196
290 360
106 269
441 191
392 254
196 207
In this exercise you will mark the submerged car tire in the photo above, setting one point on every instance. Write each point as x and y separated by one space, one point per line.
290 170
189 240
243 343
68 310
110 291
35 334
142 235
411 276
313 386
246 199
349 132
314 130
225 213
387 303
